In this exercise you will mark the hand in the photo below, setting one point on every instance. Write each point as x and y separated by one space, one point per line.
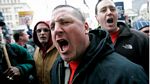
12 73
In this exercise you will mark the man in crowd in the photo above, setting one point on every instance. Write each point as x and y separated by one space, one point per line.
22 38
87 57
130 43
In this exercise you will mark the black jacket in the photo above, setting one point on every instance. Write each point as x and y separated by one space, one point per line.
134 45
101 65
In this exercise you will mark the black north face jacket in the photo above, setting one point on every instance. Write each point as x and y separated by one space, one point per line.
134 45
101 65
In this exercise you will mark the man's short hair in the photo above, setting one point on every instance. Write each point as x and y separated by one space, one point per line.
77 12
96 6
17 34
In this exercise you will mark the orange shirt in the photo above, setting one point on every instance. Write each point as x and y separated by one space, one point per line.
114 36
73 67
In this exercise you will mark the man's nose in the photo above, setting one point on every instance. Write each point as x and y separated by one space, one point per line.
58 29
108 11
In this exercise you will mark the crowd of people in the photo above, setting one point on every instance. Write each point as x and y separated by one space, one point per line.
16 63
68 51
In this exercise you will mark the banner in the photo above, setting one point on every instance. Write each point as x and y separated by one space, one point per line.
25 17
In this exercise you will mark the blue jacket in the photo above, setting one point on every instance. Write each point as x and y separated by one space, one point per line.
100 64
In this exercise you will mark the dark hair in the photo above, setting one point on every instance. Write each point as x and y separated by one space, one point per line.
96 6
17 34
77 12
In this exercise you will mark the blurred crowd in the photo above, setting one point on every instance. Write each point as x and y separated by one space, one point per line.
67 51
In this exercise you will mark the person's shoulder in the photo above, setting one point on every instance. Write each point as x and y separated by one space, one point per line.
138 34
120 63
17 47
14 45
115 67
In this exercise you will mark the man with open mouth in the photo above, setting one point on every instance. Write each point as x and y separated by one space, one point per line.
87 57
130 43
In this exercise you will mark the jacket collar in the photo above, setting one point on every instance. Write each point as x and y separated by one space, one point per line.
100 46
124 29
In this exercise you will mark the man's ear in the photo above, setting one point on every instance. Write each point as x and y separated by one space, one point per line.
86 27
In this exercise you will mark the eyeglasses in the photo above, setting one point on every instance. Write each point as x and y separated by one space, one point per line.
44 30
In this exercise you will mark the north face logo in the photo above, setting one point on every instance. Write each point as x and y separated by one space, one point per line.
128 46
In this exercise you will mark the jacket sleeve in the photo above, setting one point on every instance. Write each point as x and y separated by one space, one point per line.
136 76
119 70
24 61
130 75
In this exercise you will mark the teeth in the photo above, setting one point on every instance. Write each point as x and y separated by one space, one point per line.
62 43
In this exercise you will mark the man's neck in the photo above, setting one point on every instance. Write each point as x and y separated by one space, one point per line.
114 31
21 43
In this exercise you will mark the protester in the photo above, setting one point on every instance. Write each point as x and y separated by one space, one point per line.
130 43
87 57
45 53
15 62
21 38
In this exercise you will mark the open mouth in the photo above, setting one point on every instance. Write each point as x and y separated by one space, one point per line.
43 37
63 44
110 20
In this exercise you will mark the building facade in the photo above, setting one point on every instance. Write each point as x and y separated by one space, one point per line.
10 9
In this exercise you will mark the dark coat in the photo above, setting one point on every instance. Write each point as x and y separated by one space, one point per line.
20 58
134 45
101 65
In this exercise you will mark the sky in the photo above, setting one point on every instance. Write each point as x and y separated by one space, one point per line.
42 8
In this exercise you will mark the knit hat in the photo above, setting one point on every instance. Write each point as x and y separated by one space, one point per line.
138 25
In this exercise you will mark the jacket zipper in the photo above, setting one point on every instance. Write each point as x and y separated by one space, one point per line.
75 77
59 80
